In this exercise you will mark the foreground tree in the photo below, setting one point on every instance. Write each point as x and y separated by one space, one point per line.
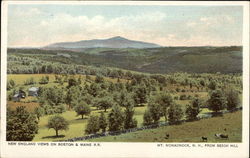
175 114
155 111
21 125
116 118
233 100
217 101
58 123
92 125
129 121
82 109
165 101
193 110
103 122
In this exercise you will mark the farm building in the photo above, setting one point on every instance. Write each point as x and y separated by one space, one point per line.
20 94
33 91
16 97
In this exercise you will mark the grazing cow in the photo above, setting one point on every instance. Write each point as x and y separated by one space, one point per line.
167 136
204 139
221 136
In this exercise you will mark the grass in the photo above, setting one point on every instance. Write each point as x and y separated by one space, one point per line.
77 125
230 124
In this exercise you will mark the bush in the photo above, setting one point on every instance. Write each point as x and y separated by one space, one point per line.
59 108
183 97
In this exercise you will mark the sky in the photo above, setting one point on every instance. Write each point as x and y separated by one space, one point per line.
43 24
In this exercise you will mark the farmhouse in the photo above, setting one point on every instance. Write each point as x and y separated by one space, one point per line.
16 97
33 91
19 95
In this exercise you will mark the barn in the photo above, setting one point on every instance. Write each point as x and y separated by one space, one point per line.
33 91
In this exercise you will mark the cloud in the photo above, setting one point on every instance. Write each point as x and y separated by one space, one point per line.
34 27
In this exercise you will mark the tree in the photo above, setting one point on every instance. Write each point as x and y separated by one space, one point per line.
58 123
99 79
10 84
140 96
103 122
116 118
72 95
92 125
155 111
105 103
39 112
147 119
193 110
217 101
82 109
212 85
165 101
44 80
21 125
175 113
72 82
129 121
232 99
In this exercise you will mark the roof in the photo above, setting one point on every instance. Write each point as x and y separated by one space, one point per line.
16 95
33 89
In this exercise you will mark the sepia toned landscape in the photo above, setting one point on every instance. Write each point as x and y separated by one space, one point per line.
120 87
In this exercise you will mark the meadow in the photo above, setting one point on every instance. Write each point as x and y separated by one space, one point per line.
230 123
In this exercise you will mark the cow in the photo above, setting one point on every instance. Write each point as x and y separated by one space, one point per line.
167 136
221 136
204 139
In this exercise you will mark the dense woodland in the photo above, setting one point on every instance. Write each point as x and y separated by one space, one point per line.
85 87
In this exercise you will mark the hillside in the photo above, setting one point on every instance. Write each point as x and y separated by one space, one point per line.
114 42
151 60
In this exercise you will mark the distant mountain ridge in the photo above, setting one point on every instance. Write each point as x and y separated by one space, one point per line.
114 42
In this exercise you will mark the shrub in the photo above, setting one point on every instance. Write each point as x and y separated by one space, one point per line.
183 97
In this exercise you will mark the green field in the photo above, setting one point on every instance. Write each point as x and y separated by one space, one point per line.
230 124
77 125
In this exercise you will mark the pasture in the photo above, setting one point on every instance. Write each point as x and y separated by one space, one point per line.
230 123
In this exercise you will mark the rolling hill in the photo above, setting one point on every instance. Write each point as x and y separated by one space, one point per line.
151 60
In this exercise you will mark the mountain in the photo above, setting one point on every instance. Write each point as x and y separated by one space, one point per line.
115 42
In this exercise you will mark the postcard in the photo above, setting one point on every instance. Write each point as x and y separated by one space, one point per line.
124 79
